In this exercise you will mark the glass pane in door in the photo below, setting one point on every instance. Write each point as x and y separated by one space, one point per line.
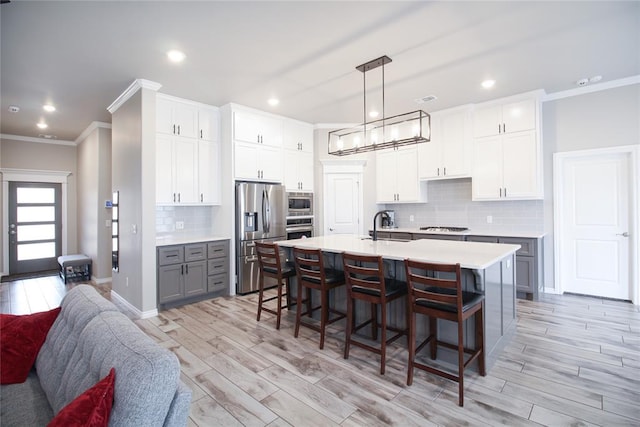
36 213
36 251
29 233
35 195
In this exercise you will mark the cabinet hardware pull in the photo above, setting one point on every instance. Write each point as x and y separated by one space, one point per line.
504 128
438 171
174 129
178 197
201 198
187 268
200 133
498 127
505 191
171 256
178 129
625 234
445 172
182 269
500 192
174 197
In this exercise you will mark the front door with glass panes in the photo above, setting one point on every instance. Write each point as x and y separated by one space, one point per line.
35 226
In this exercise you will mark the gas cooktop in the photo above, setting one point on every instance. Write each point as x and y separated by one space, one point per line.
444 229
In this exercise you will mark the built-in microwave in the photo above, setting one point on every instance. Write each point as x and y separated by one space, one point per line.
299 203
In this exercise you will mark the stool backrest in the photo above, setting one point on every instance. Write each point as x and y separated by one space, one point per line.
309 265
269 258
364 271
434 289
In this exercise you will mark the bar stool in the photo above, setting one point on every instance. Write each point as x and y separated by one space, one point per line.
272 266
366 282
440 298
312 274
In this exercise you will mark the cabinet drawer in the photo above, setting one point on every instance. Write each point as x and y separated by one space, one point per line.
170 255
218 249
486 239
527 246
196 252
217 283
217 266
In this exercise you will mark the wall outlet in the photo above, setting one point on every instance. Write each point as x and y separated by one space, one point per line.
179 225
489 219
412 218
126 282
134 229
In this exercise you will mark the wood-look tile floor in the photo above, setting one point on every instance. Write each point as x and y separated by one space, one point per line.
573 361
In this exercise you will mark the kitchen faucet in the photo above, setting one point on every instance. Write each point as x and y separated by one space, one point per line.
375 217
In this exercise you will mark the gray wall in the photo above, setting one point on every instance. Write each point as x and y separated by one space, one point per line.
133 175
45 156
94 187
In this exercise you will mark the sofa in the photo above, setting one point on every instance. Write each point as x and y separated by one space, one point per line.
87 339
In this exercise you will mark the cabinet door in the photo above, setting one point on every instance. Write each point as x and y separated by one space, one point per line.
454 145
164 169
246 127
429 153
525 268
208 124
297 136
408 187
305 170
271 131
270 163
487 169
185 117
170 284
487 121
209 174
520 165
386 176
195 278
185 154
246 161
164 116
291 176
519 116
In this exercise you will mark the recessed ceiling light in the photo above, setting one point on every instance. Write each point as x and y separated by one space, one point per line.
49 108
273 101
424 99
373 114
176 56
42 125
488 84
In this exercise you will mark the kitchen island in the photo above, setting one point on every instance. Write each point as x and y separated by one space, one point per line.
488 268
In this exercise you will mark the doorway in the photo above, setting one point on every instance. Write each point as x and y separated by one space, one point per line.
35 226
595 210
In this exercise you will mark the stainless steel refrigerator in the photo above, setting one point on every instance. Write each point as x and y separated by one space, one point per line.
260 216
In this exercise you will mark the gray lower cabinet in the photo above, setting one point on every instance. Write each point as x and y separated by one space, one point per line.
189 272
529 261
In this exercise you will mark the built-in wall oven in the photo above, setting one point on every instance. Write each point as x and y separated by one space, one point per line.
299 215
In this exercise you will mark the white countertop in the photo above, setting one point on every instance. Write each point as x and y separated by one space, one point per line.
526 234
472 255
186 238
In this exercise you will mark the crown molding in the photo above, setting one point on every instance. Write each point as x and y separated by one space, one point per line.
93 126
39 140
592 88
130 91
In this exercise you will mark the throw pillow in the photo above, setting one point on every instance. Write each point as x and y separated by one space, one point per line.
91 409
21 338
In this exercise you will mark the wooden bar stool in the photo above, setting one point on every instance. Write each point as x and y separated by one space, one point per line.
312 274
440 298
271 265
366 282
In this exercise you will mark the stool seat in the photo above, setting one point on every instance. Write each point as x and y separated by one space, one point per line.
287 270
469 300
74 266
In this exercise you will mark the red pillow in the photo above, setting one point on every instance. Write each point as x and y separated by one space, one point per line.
21 338
91 409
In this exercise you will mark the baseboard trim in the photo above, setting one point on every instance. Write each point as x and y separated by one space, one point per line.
101 281
136 312
551 291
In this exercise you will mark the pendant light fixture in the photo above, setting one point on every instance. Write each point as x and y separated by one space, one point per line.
387 132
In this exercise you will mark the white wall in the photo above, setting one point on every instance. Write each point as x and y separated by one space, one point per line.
94 187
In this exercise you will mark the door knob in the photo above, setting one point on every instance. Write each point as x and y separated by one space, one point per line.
330 229
625 234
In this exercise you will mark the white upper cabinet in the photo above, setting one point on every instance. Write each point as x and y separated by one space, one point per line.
397 176
258 162
497 119
176 118
298 156
448 154
298 136
507 162
257 128
187 152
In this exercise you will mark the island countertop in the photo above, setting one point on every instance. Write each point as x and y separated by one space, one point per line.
470 255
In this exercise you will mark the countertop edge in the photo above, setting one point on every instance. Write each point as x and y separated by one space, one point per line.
185 240
488 233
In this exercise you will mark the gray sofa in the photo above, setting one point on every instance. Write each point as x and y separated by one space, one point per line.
89 337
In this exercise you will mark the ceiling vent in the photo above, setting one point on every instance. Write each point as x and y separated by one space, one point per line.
47 136
427 98
14 108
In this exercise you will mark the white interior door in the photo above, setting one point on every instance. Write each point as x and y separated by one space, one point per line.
342 204
595 224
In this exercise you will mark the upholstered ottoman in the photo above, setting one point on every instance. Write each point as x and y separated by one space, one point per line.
74 267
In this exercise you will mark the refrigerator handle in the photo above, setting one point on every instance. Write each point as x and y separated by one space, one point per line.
267 207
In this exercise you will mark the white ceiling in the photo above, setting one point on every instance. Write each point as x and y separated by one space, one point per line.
82 55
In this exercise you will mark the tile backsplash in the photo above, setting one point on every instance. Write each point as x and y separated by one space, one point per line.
449 204
195 219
